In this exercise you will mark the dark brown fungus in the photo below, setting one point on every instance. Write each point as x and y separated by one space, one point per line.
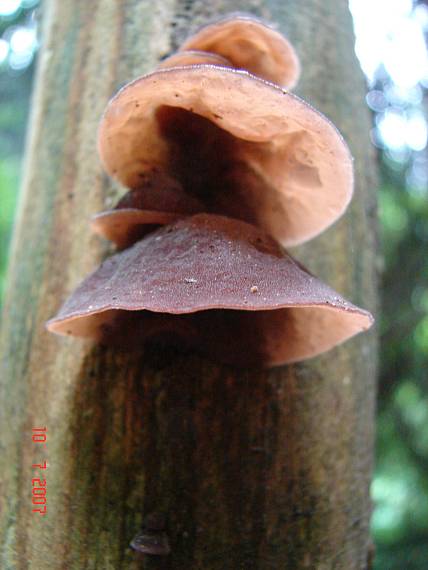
159 200
252 45
199 123
221 285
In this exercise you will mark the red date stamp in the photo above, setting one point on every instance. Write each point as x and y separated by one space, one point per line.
39 436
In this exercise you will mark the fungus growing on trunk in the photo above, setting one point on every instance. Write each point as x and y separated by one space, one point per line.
200 123
159 200
252 45
221 285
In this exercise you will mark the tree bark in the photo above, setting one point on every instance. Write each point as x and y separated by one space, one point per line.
253 469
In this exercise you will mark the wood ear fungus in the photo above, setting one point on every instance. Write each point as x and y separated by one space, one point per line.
252 45
197 123
194 57
233 168
209 263
159 200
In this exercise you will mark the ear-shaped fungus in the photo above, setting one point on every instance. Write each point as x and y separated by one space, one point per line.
193 57
198 123
159 200
252 45
222 285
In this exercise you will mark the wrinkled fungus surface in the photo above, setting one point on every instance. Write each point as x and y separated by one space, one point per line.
252 45
201 123
159 200
204 275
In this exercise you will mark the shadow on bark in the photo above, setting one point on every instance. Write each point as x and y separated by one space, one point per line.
213 449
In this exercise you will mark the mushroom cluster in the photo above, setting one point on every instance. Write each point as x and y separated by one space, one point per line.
224 167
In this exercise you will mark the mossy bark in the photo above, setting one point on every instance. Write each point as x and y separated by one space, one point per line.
253 469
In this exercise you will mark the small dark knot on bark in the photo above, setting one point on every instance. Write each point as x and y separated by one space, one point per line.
153 538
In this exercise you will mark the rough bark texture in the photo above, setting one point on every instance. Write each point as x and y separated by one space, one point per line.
253 469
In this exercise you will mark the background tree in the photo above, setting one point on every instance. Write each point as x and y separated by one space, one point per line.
253 470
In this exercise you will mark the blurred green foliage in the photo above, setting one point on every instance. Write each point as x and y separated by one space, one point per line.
9 175
16 72
400 484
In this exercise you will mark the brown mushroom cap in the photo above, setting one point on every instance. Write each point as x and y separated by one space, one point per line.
208 273
198 122
159 200
252 45
194 57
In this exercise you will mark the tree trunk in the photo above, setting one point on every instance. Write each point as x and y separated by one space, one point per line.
253 469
